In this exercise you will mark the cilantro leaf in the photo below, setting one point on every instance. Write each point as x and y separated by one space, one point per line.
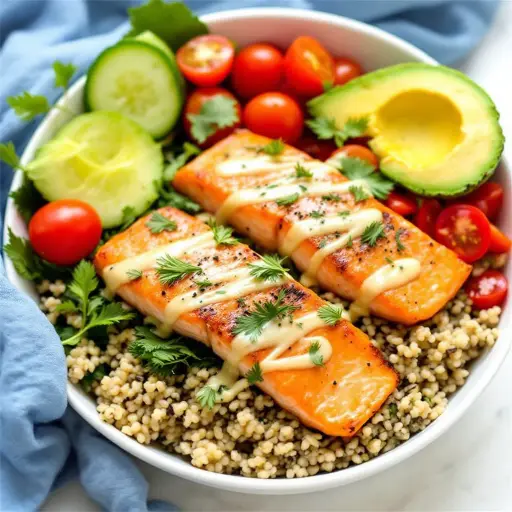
274 148
83 284
268 268
218 112
158 223
222 235
27 106
331 314
326 128
173 22
359 193
171 269
189 150
207 396
27 199
169 197
355 127
317 214
302 172
288 200
314 353
372 233
9 156
63 73
254 374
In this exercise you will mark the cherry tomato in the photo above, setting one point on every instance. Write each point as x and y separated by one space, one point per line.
465 230
308 66
206 60
258 68
357 151
319 149
500 242
401 204
427 215
193 107
488 289
65 231
345 70
488 198
275 115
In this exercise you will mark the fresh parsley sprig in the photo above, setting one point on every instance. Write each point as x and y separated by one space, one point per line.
83 284
359 193
171 269
268 268
252 324
255 374
314 353
372 233
288 200
302 172
207 396
273 148
331 314
223 235
158 223
326 128
177 161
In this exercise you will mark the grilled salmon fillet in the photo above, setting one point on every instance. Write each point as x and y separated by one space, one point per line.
336 398
238 164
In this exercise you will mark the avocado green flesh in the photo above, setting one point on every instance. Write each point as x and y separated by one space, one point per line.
434 130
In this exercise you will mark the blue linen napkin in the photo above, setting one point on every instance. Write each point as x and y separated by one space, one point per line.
42 442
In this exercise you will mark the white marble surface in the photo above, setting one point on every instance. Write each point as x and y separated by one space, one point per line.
469 468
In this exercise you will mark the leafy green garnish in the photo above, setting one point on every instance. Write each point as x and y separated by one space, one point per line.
317 214
99 372
63 73
207 396
372 233
27 199
169 197
325 128
218 112
83 284
314 353
273 148
178 161
254 374
331 314
359 193
344 213
331 197
350 242
171 269
203 283
393 410
302 172
9 156
173 22
27 106
158 223
288 200
399 245
355 168
134 274
389 260
252 324
268 268
222 235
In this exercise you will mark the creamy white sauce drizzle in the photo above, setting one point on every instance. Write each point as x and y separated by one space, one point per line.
116 275
258 165
388 277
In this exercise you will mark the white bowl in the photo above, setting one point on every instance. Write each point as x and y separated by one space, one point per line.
373 49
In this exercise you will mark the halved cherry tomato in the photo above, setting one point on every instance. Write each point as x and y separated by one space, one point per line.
401 204
427 215
275 115
465 230
357 151
65 231
206 60
488 289
488 198
500 242
258 68
319 149
308 66
194 105
345 70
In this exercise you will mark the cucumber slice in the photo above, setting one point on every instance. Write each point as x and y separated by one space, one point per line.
104 159
140 80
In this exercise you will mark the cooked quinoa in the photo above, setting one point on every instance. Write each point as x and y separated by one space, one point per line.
255 437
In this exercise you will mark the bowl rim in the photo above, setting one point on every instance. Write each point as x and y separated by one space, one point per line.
172 463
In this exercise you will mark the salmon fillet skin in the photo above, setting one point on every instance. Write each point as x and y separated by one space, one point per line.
225 180
335 397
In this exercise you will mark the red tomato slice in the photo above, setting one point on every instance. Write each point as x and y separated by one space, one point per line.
193 106
206 60
487 290
401 204
308 66
64 232
275 115
357 151
500 242
488 198
465 230
427 215
345 70
319 149
258 68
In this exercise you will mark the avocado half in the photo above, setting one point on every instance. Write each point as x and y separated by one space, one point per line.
435 131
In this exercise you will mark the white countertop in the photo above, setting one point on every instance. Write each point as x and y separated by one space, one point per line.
469 468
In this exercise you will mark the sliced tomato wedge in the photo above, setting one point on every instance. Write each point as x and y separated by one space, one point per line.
206 60
401 204
500 242
427 215
487 290
465 230
308 67
488 198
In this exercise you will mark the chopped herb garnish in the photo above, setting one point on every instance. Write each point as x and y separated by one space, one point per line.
203 283
302 172
177 161
331 197
325 128
331 314
288 200
359 193
63 73
345 213
314 353
372 233
220 292
254 374
399 245
317 214
389 260
273 148
158 223
134 273
268 268
171 269
350 242
393 410
303 188
207 396
252 324
222 235
27 106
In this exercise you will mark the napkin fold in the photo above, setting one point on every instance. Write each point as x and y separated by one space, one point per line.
42 442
